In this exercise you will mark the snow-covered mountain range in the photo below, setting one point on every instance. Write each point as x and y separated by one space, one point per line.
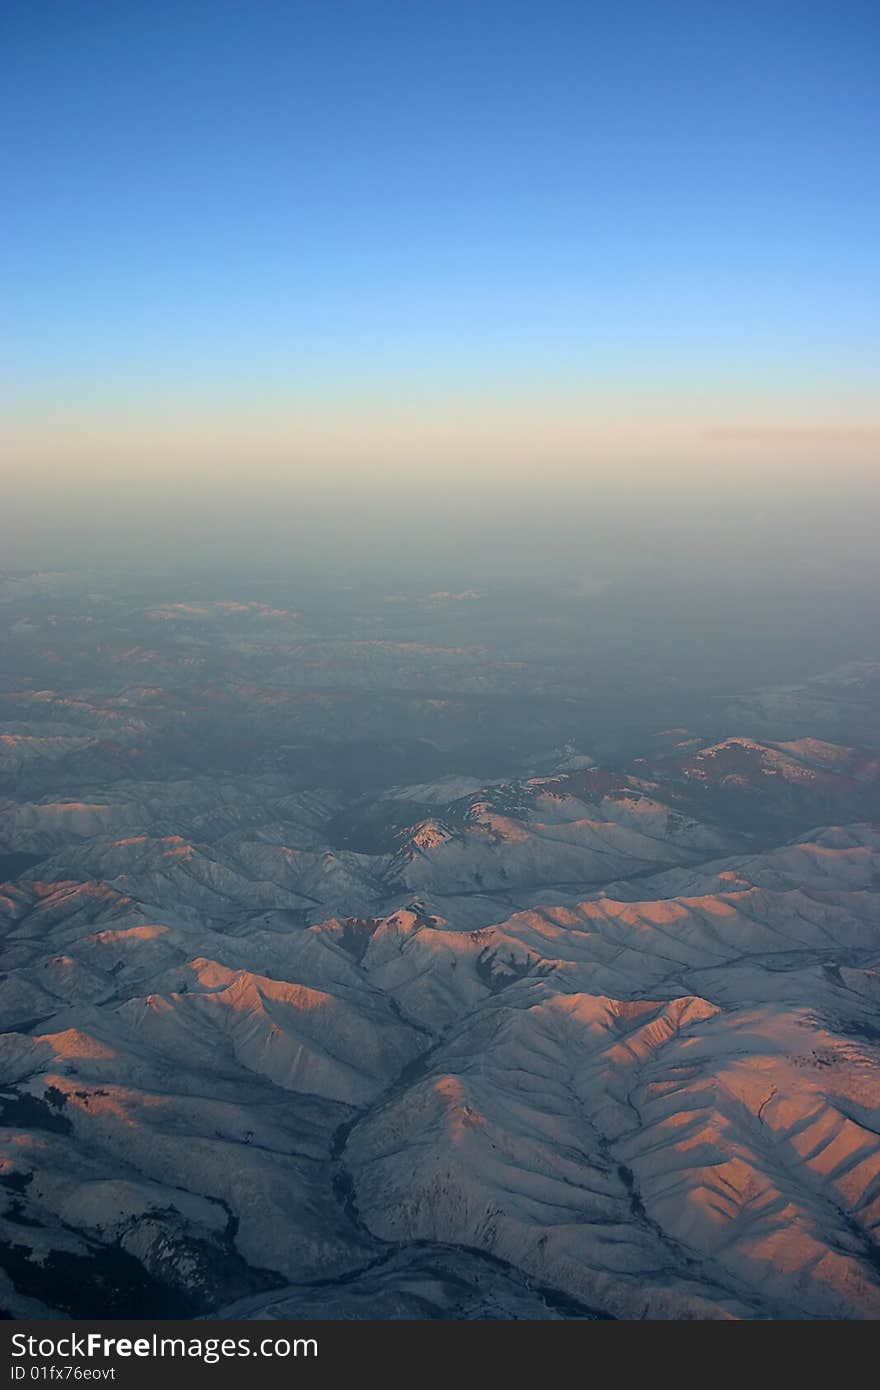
531 1032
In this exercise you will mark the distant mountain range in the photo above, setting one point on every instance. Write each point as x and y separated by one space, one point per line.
532 1032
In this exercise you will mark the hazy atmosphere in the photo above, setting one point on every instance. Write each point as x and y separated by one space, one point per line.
485 259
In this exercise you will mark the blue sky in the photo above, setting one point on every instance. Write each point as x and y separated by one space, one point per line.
220 200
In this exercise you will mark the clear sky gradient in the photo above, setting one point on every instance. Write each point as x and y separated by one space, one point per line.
326 234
